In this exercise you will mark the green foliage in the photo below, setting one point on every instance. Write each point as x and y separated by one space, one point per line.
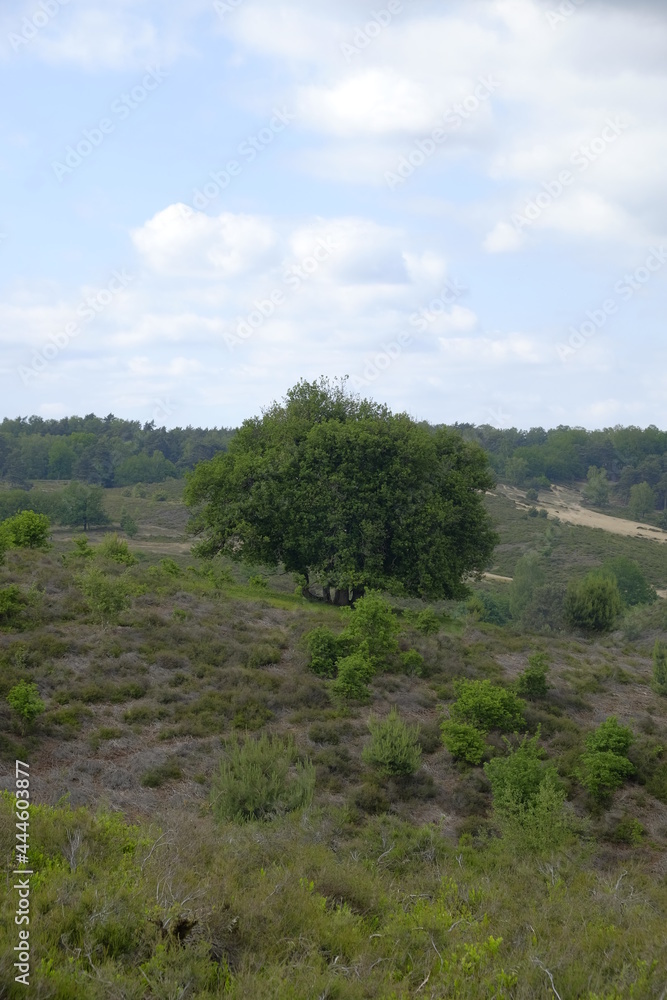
24 699
354 673
394 748
660 667
527 794
633 586
261 779
601 772
12 605
427 622
157 776
116 549
487 706
128 524
532 683
83 506
528 576
349 495
610 737
464 741
372 627
170 567
642 501
106 596
412 663
324 648
593 603
596 490
27 530
494 609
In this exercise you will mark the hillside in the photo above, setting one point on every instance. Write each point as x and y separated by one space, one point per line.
381 887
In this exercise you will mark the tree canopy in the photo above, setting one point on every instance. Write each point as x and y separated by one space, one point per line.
348 495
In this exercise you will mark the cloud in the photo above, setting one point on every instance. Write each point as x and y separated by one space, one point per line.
503 238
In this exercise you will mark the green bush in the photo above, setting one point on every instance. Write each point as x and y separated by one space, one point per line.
12 604
24 699
394 748
170 567
487 706
169 771
324 648
464 741
372 628
127 522
532 683
28 530
412 663
494 609
528 577
633 586
601 772
106 597
594 603
610 737
354 673
660 667
428 622
116 549
261 779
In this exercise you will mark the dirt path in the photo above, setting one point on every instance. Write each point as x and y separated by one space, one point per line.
565 504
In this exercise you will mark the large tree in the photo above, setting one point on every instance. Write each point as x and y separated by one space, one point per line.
83 505
348 495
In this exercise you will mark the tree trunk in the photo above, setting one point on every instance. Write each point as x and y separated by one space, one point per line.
357 592
341 597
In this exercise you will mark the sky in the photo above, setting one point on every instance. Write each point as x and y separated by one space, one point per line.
460 206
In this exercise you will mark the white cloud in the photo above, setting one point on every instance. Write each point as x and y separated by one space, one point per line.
503 238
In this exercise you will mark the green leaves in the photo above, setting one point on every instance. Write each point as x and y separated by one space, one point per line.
487 706
394 747
594 603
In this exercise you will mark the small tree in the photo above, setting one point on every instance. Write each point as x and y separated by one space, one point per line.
354 673
633 586
116 549
83 506
25 701
324 647
532 683
604 766
610 736
464 741
528 576
394 748
642 501
372 628
28 530
128 524
487 706
596 491
106 597
594 603
660 667
261 779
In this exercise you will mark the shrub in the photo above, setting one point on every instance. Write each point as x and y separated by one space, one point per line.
532 683
487 706
116 549
12 603
260 779
28 530
127 522
464 741
527 794
594 603
494 609
610 737
427 622
354 673
372 628
412 663
528 576
106 597
633 586
394 748
163 772
601 772
324 648
545 609
262 655
25 701
660 667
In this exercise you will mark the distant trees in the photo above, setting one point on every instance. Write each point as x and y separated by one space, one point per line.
347 495
642 501
596 490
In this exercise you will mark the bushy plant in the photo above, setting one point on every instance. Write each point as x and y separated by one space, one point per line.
611 737
633 586
260 779
372 628
427 622
532 683
170 567
464 741
494 609
28 530
594 603
12 603
116 549
528 576
354 673
324 648
601 772
487 706
24 699
660 667
412 663
127 522
394 748
106 597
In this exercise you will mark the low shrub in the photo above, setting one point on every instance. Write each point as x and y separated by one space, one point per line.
354 673
464 741
601 772
324 649
28 530
261 779
487 706
116 549
394 748
169 771
412 663
532 683
25 701
594 603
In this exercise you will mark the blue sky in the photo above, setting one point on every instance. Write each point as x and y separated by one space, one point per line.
459 205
